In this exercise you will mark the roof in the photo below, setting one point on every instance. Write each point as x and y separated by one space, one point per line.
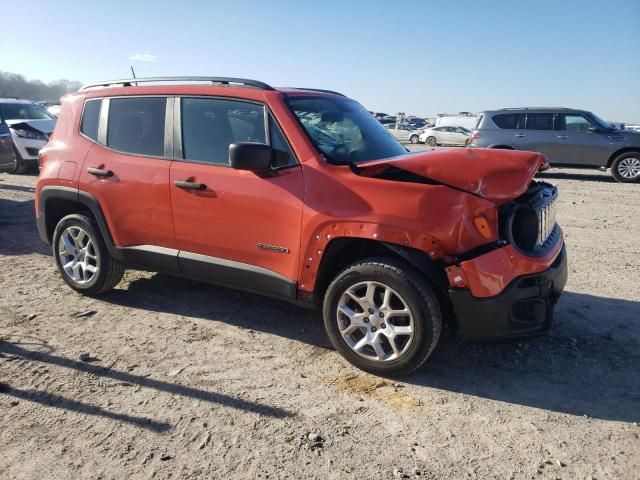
535 110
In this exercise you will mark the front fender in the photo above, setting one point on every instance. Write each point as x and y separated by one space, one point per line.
323 235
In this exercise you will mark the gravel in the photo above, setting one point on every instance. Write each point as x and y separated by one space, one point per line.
472 411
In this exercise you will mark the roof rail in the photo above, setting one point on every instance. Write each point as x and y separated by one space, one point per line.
321 90
221 80
538 108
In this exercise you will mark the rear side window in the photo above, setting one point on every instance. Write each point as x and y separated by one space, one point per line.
209 126
136 125
509 121
90 117
283 155
540 121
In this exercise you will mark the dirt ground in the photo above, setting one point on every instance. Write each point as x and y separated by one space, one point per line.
167 378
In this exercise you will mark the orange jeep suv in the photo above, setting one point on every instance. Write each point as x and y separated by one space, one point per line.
300 194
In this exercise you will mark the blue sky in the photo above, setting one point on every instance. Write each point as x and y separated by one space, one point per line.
421 57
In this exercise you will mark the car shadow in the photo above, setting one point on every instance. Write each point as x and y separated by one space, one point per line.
587 177
587 365
18 231
179 296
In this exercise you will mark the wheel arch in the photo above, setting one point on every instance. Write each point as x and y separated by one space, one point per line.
343 251
56 202
620 151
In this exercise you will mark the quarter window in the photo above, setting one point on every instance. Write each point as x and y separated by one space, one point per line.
136 125
540 121
209 126
509 121
90 118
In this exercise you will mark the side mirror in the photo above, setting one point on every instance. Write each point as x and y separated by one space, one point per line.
594 129
255 157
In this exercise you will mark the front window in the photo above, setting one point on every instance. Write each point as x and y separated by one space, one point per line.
343 130
24 111
210 125
574 123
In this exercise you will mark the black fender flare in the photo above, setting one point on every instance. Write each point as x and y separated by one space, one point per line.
51 192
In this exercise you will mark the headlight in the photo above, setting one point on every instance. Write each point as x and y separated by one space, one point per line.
30 134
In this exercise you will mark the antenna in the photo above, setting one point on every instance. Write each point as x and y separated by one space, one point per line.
133 72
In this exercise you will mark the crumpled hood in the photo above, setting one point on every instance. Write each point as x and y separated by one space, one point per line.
497 175
45 126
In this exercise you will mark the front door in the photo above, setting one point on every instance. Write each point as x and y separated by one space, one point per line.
233 226
578 145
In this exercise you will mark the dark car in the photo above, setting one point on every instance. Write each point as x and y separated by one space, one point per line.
7 157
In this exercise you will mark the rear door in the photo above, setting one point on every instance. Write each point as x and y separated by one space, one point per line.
539 135
579 146
236 228
127 168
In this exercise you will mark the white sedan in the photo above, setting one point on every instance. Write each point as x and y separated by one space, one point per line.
445 136
403 133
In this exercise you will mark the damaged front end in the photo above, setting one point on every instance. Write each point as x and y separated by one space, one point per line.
510 291
505 287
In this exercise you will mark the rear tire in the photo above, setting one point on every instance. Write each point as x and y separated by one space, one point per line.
19 164
362 325
82 257
414 139
626 167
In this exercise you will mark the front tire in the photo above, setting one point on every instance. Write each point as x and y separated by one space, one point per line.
382 316
414 139
431 141
19 165
626 167
82 257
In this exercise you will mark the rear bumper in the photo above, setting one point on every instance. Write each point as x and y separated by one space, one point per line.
523 309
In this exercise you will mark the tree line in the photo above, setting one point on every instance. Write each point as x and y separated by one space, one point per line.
16 85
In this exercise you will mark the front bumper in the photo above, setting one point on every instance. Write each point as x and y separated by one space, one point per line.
524 308
28 148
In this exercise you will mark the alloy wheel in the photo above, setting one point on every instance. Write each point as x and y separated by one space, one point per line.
77 255
375 321
629 168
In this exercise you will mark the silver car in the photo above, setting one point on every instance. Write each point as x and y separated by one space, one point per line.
567 137
403 133
445 136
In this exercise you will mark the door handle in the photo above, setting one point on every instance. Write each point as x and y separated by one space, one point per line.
519 135
190 185
563 137
100 172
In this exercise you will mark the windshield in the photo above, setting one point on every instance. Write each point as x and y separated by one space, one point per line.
24 111
343 130
601 123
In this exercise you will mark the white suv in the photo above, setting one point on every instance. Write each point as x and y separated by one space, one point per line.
30 125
